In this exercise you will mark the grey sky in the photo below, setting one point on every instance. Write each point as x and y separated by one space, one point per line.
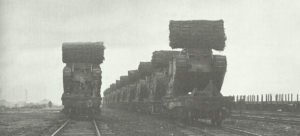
262 40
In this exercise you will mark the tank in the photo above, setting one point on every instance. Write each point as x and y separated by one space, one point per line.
82 77
194 69
185 84
197 75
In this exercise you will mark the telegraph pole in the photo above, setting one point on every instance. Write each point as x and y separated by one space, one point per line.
26 95
0 93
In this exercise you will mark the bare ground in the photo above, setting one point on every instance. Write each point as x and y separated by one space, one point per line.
124 123
28 122
265 128
37 122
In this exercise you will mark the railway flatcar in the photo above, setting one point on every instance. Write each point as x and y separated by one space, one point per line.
185 84
82 77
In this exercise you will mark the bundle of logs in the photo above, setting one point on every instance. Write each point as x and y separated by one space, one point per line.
83 52
197 34
162 58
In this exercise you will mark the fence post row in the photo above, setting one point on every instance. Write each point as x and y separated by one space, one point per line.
267 98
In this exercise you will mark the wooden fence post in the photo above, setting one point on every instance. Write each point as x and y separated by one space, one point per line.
247 97
285 97
279 98
235 98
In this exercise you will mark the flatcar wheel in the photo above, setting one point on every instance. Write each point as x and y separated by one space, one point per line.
152 109
213 121
175 113
218 122
99 111
164 112
183 115
189 117
169 114
219 118
216 119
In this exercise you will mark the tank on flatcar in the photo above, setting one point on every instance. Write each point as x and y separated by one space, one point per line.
184 84
82 77
197 75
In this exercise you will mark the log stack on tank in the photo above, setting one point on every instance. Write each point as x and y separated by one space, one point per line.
205 34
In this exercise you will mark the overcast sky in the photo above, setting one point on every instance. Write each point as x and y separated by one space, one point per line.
262 40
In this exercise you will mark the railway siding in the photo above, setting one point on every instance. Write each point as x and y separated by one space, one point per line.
290 121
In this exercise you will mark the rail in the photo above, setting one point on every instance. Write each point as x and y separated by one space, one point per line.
239 131
266 119
97 128
61 128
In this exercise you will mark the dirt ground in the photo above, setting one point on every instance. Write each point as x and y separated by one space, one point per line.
28 122
37 122
124 123
265 128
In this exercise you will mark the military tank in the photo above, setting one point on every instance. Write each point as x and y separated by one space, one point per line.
184 84
197 75
82 77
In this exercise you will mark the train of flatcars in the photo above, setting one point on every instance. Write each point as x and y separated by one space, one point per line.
184 84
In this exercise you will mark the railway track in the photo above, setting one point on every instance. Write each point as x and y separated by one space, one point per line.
239 131
78 128
268 114
224 131
199 127
290 121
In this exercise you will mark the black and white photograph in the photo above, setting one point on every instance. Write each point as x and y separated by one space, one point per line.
149 68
